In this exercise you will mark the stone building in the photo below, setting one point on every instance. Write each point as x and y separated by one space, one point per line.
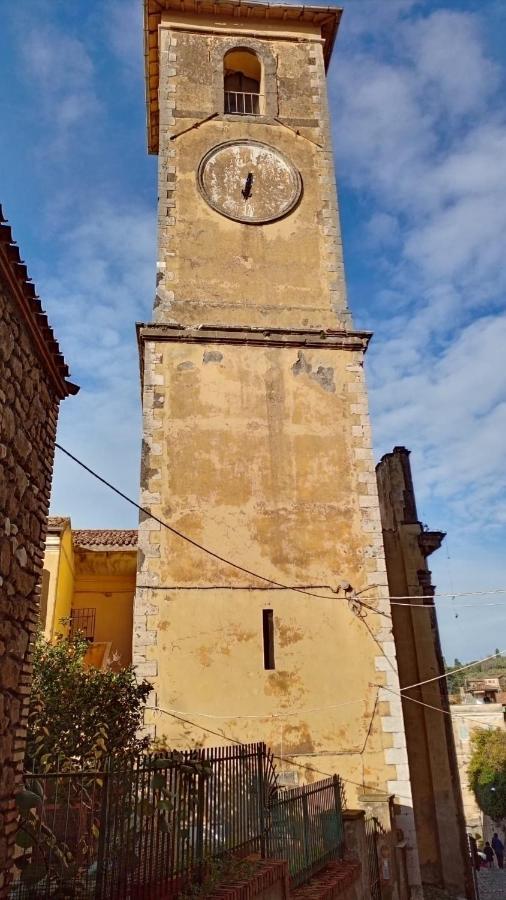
256 432
33 381
433 767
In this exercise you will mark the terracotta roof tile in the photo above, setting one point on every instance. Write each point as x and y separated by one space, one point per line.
105 538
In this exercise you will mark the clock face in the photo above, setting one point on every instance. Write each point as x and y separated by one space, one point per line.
249 181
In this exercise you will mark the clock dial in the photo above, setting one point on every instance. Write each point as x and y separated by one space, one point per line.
249 181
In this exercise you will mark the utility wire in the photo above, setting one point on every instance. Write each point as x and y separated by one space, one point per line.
277 584
280 715
283 759
274 715
438 709
204 549
477 662
432 596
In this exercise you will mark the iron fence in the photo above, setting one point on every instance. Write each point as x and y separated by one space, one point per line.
372 829
139 829
148 827
306 827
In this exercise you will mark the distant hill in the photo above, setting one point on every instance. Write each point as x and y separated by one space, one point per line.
493 668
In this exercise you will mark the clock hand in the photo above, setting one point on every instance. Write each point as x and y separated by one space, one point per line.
246 191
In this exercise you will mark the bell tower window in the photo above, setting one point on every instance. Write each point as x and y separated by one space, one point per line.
242 82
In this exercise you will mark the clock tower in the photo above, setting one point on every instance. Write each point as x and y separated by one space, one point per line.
256 441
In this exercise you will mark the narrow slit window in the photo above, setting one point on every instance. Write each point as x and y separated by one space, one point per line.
268 630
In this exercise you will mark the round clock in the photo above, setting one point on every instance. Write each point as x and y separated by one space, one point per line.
249 181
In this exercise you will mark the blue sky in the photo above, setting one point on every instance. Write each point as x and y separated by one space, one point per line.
417 97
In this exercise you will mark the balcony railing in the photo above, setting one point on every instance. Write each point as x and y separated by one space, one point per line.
242 104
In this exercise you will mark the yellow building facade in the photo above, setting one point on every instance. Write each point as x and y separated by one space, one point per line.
88 587
256 436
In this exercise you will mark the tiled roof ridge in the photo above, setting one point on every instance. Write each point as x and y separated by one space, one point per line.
32 311
105 537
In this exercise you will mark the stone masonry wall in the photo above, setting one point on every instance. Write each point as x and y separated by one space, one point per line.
27 434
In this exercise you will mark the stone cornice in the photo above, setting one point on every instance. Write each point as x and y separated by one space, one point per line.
259 336
252 336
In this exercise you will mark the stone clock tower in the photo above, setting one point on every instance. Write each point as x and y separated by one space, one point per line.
256 434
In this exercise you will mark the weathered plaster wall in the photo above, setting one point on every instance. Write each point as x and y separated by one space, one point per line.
27 434
51 565
252 455
289 272
59 563
431 751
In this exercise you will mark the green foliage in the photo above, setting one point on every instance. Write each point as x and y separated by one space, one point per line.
487 771
491 668
78 714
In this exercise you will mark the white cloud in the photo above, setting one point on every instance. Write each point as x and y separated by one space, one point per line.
452 69
383 229
62 78
103 283
419 130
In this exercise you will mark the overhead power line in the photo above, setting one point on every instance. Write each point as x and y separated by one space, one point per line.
201 547
477 662
305 711
438 709
283 759
394 600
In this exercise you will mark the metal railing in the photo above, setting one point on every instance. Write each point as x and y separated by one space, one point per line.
151 826
139 828
306 827
372 829
242 104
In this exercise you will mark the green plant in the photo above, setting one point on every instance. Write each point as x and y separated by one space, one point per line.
81 715
487 771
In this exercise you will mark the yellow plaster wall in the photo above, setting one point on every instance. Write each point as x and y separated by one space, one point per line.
65 584
59 562
106 581
51 561
255 457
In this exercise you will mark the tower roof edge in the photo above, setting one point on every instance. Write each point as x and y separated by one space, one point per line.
327 18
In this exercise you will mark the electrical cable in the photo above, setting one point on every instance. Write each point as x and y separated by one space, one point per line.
304 711
276 584
445 712
284 759
471 665
199 546
273 715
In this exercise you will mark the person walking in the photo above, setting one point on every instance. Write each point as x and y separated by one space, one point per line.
498 848
489 855
475 856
